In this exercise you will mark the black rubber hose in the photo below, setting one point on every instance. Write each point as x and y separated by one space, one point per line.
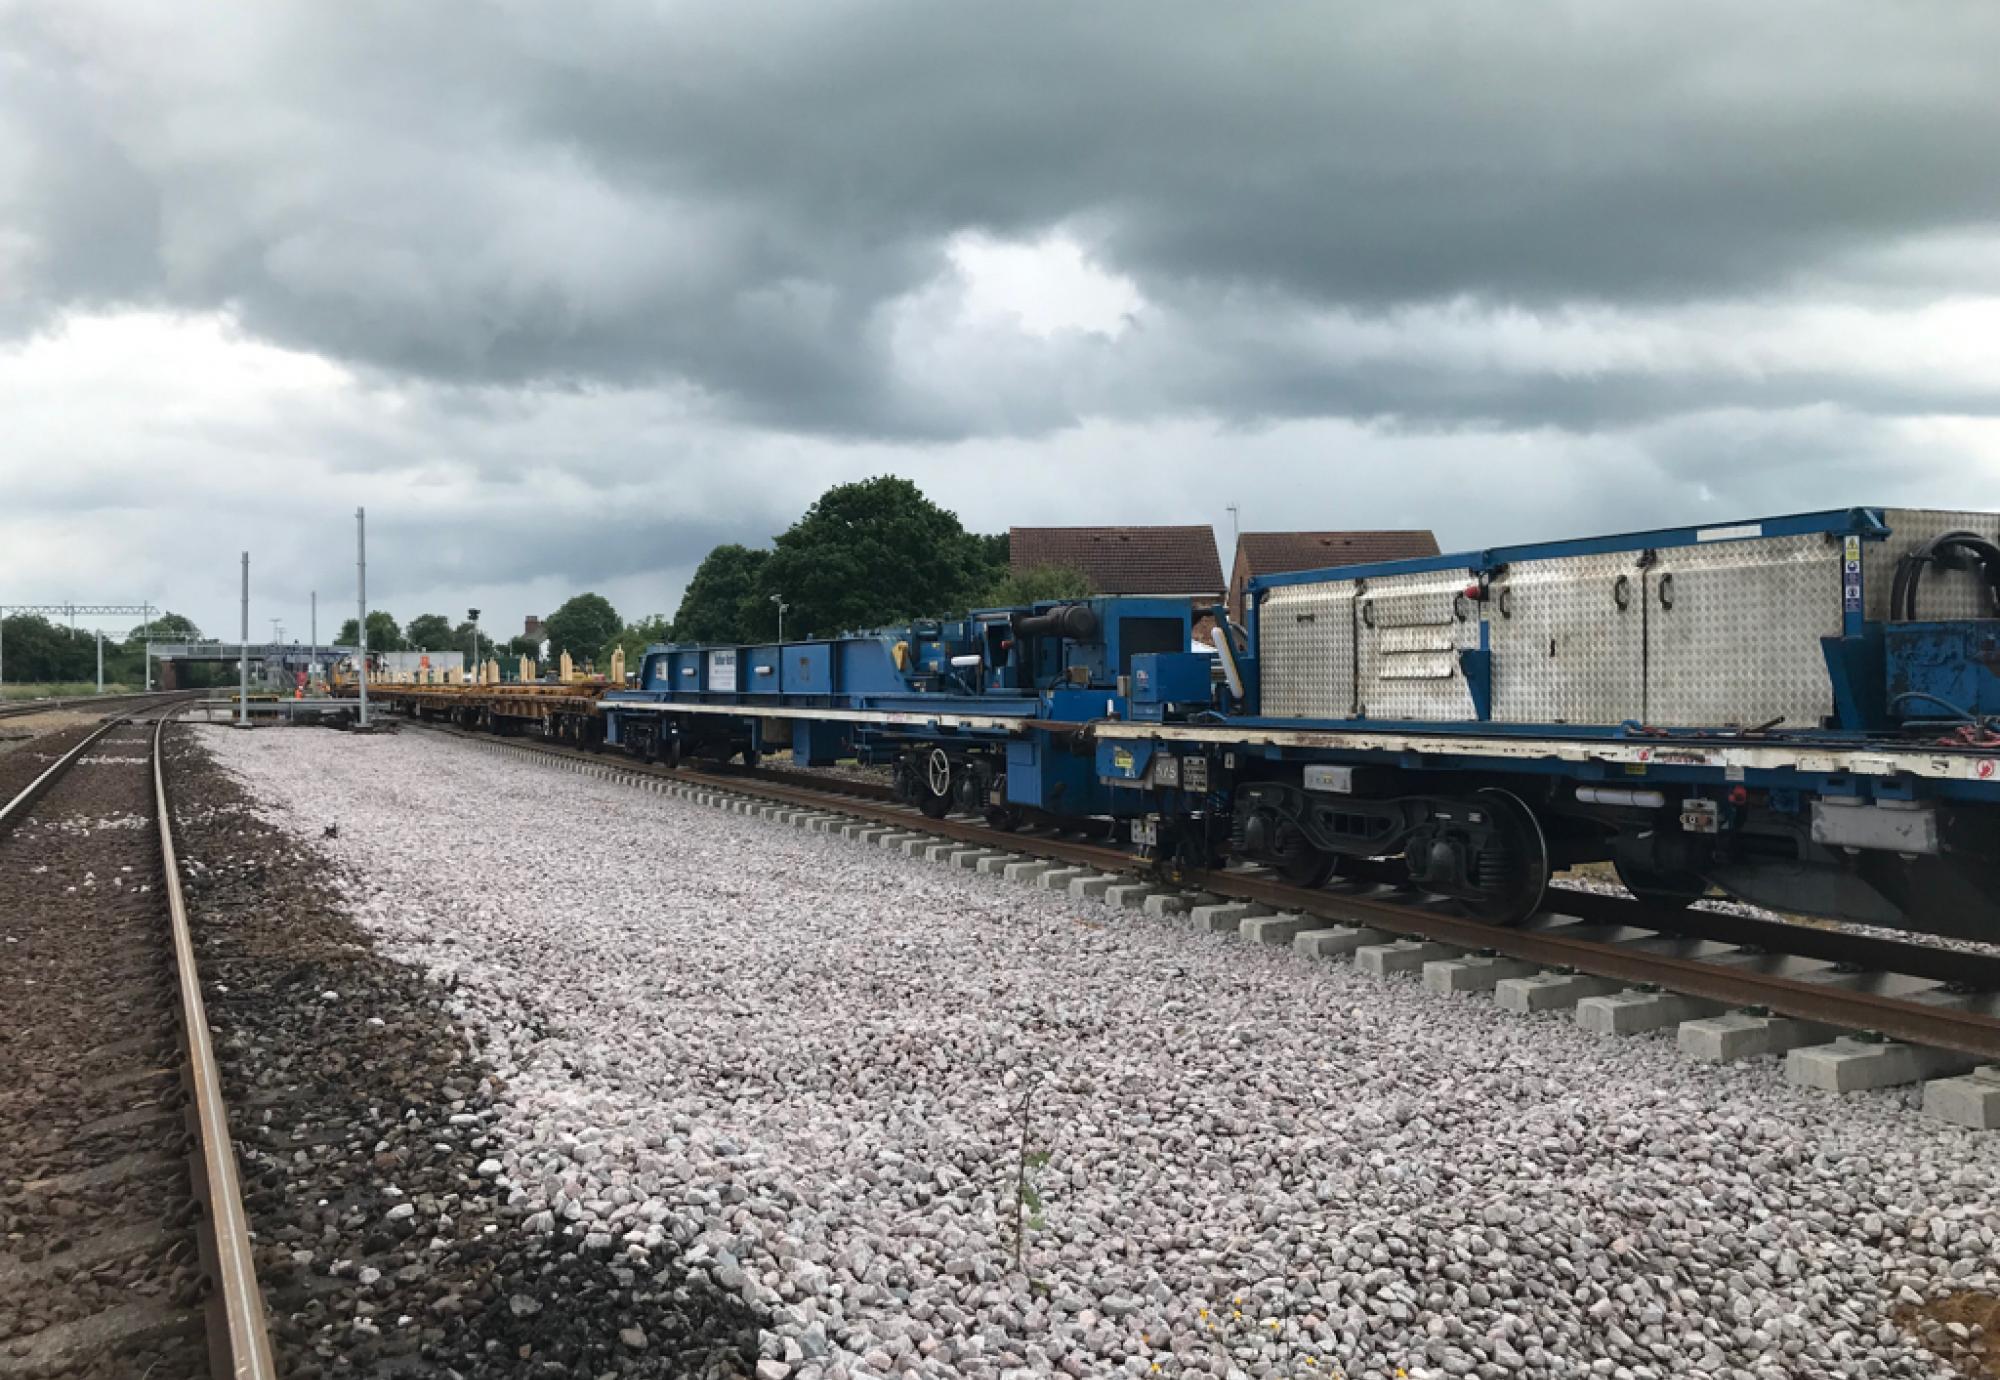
1910 570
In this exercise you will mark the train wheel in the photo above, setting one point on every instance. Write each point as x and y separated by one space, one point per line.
1667 890
1517 877
1310 868
934 793
675 754
1005 818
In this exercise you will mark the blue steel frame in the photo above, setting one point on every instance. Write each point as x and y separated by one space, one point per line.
1848 657
1853 663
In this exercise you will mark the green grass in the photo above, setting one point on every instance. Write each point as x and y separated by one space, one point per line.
61 689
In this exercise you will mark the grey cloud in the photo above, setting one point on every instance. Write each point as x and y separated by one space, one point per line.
739 200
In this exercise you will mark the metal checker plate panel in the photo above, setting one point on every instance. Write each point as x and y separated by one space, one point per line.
1942 593
1568 654
1306 636
1409 660
1741 644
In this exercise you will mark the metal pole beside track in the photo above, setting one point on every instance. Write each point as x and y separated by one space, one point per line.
361 601
243 654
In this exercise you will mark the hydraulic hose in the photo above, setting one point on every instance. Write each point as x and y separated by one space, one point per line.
1968 548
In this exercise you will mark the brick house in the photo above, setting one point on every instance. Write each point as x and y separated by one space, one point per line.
1163 562
1274 553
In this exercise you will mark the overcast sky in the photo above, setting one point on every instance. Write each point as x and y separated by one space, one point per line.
566 295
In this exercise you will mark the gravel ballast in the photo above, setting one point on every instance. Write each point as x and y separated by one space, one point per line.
367 1128
813 1073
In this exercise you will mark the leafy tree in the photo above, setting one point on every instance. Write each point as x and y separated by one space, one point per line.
431 632
461 641
383 633
635 638
712 607
168 627
521 645
1034 586
581 626
995 549
868 553
37 650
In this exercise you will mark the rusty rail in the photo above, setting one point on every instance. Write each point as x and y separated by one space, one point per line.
239 1341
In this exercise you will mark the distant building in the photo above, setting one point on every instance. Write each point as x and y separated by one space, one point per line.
420 661
1125 560
532 627
1274 553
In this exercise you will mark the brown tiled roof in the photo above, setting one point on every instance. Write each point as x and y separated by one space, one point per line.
1125 560
1269 553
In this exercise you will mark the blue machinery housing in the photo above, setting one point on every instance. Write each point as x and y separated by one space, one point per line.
1799 710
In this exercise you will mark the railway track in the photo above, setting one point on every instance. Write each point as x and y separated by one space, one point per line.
1943 1002
20 709
124 1248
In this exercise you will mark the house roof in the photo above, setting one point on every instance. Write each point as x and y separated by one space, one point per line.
1125 560
1270 553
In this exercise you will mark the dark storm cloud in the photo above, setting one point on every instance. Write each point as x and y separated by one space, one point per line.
750 201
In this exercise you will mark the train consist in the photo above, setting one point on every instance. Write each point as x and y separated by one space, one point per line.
1801 711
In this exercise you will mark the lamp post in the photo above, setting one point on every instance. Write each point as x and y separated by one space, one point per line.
782 606
472 616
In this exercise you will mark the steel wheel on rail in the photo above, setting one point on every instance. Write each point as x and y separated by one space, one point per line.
1521 870
1310 868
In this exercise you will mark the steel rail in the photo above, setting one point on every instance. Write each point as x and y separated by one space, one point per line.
1856 952
1823 1003
12 812
236 1304
11 709
1943 1027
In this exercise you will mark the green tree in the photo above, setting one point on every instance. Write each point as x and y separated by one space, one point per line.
521 645
37 650
1034 586
431 632
489 646
581 626
712 607
635 638
383 633
995 549
868 553
168 627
